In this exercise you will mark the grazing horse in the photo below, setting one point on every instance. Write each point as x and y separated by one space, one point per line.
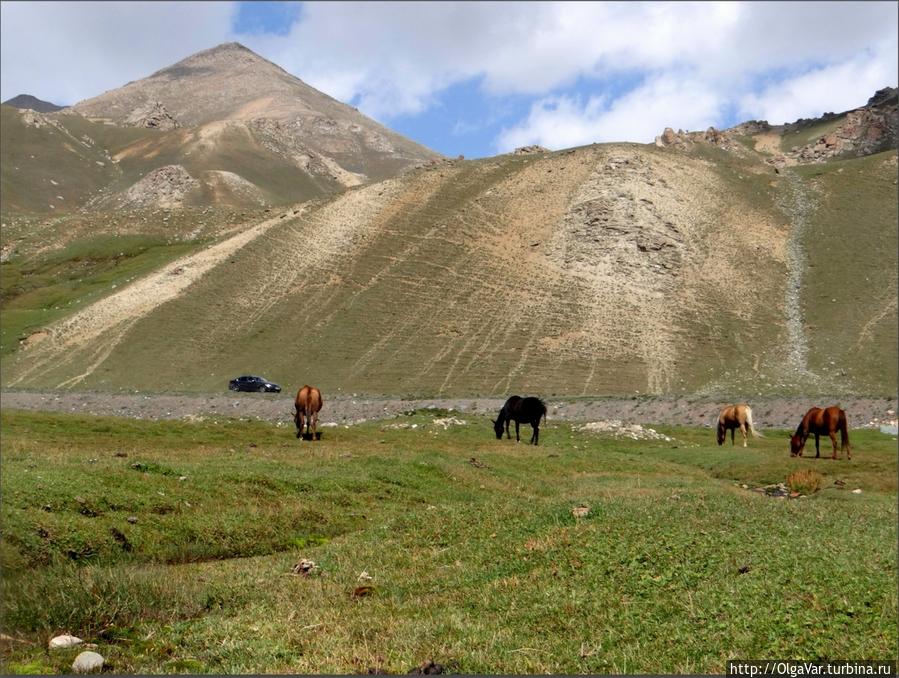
735 417
307 405
818 421
521 411
505 416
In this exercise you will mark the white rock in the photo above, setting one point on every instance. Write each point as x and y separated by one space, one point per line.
857 490
64 640
87 662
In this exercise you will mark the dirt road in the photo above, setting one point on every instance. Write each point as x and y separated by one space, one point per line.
347 409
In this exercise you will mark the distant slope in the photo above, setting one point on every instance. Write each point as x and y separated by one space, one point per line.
58 162
46 166
32 103
175 140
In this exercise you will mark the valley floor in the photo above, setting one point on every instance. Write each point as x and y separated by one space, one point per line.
174 546
778 412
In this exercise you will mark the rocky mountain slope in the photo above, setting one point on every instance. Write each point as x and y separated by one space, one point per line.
230 88
225 126
605 269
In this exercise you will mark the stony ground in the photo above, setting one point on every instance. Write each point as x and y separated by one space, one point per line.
348 409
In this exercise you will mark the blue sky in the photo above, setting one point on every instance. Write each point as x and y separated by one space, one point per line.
480 78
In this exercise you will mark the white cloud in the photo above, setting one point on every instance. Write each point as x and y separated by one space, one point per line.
395 58
68 51
832 88
641 114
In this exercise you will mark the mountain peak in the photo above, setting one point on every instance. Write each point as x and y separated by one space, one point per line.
227 56
27 101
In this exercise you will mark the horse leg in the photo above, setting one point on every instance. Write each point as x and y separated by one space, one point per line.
517 424
299 424
536 435
743 431
732 431
508 435
833 441
314 424
817 448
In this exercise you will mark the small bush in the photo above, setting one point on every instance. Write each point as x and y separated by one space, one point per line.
805 481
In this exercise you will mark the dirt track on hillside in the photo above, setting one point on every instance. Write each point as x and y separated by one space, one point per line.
102 325
684 410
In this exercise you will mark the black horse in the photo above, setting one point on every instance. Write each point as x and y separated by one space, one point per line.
521 411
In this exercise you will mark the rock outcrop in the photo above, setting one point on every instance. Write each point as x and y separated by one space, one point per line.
683 140
154 116
530 150
163 187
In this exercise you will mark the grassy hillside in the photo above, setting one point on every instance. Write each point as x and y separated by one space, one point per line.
850 293
171 546
53 267
92 164
613 269
40 164
478 277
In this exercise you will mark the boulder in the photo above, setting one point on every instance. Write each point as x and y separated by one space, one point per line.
87 662
63 641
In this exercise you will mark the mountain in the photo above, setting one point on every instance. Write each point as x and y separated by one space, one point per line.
223 127
230 87
754 260
614 268
32 103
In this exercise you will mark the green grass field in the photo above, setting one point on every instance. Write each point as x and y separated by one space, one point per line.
480 567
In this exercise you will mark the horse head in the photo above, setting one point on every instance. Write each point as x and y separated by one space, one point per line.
722 434
497 428
796 445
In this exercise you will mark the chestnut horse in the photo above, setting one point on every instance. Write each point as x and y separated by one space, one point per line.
735 417
522 411
307 405
818 421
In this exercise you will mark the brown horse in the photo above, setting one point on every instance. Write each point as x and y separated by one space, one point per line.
307 405
818 421
735 417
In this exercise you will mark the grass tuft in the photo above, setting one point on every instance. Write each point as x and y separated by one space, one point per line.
805 481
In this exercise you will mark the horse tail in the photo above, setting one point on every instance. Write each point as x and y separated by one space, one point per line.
844 432
755 434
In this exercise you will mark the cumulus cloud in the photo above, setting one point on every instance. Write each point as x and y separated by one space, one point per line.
568 59
394 57
68 51
832 88
561 122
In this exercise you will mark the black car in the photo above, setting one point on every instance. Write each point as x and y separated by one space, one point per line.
249 383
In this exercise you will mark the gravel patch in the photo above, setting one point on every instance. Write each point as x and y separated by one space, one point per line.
863 412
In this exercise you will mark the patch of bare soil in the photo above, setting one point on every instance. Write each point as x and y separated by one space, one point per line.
231 188
619 414
769 142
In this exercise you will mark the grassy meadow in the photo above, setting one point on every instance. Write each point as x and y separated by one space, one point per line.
171 545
